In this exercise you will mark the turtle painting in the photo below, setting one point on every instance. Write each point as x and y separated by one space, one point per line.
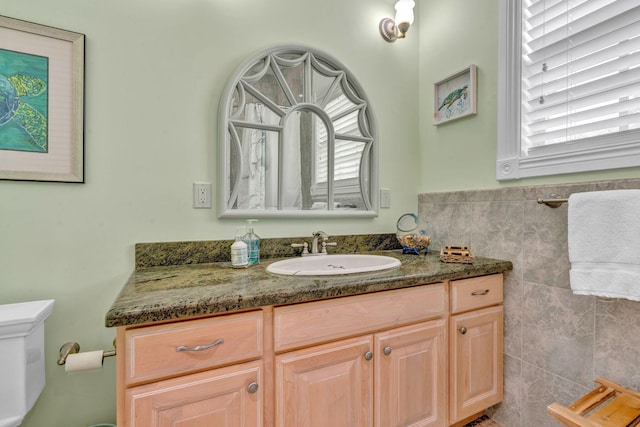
15 91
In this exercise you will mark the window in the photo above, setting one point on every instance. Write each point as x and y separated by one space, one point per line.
347 153
569 95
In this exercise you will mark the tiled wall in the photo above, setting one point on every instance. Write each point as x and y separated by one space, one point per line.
555 342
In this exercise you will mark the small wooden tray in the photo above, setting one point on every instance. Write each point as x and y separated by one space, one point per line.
457 254
607 405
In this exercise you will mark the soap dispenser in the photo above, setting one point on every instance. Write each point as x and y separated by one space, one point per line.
239 251
253 243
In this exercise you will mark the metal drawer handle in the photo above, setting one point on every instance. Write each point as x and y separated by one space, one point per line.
253 387
200 347
368 355
387 350
476 293
463 330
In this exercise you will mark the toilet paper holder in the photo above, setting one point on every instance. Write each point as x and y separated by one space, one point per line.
72 347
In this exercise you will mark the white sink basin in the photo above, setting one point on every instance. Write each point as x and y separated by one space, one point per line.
324 265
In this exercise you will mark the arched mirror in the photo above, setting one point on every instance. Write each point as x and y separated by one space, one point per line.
297 139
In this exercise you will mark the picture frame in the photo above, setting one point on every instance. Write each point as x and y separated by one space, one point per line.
41 102
455 97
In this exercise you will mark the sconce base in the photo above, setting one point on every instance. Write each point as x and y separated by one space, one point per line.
388 30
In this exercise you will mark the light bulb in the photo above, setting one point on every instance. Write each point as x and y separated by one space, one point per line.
404 12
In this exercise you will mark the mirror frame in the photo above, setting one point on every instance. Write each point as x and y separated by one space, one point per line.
369 192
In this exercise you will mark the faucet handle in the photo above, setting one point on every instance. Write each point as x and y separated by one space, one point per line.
325 244
304 246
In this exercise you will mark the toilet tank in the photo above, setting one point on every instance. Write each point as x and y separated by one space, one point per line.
21 357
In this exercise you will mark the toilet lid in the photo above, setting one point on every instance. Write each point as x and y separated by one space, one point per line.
22 317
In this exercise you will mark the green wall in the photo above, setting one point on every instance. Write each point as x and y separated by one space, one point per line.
461 155
155 70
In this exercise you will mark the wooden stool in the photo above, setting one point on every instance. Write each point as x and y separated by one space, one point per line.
607 405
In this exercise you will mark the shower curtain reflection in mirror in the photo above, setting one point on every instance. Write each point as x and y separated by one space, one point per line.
258 184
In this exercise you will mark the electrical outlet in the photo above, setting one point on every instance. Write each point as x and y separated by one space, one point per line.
385 198
202 195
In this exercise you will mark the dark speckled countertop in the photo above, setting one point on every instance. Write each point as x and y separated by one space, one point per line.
179 291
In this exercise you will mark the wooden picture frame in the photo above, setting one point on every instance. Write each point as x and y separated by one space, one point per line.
41 102
455 97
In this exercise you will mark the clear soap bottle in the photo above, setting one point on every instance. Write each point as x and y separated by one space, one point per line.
253 243
239 252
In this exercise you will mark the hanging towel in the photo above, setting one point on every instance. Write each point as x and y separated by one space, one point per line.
604 243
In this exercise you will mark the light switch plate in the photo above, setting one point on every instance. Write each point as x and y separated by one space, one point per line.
385 198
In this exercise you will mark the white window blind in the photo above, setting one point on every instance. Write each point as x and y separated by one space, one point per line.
579 86
344 115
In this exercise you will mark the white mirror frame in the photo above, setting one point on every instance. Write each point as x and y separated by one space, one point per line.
369 192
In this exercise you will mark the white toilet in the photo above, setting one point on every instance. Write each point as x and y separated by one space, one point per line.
21 358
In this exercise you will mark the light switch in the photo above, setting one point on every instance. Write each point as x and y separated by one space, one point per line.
385 198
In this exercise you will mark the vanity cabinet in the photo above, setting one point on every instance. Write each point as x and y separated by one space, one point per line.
428 356
192 373
389 376
476 346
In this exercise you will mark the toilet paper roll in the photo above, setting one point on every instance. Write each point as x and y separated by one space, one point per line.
83 362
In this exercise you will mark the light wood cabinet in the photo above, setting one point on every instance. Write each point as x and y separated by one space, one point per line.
225 397
162 351
410 373
332 383
303 325
192 373
326 385
476 347
428 356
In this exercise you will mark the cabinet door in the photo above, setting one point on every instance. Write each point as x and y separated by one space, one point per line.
476 361
326 385
410 384
226 397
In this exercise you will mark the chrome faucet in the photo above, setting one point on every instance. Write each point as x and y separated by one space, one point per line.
314 245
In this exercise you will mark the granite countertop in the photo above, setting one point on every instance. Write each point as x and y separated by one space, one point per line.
161 293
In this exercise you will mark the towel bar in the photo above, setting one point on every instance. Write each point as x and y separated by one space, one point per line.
553 201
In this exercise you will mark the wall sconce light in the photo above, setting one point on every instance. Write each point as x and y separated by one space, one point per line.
391 30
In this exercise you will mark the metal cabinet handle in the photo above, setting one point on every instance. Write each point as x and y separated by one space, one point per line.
200 347
463 330
476 293
253 387
368 355
387 350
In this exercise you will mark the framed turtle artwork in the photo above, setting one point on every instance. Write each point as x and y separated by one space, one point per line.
41 102
455 96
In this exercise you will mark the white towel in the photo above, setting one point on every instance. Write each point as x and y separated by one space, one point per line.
604 243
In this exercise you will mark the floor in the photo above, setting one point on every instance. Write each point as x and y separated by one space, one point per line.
483 421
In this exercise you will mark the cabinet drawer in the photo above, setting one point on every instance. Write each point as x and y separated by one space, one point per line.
314 322
476 292
167 350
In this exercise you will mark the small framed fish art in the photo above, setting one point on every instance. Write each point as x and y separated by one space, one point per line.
455 96
41 102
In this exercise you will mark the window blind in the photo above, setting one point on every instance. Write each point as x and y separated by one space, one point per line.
581 70
348 153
